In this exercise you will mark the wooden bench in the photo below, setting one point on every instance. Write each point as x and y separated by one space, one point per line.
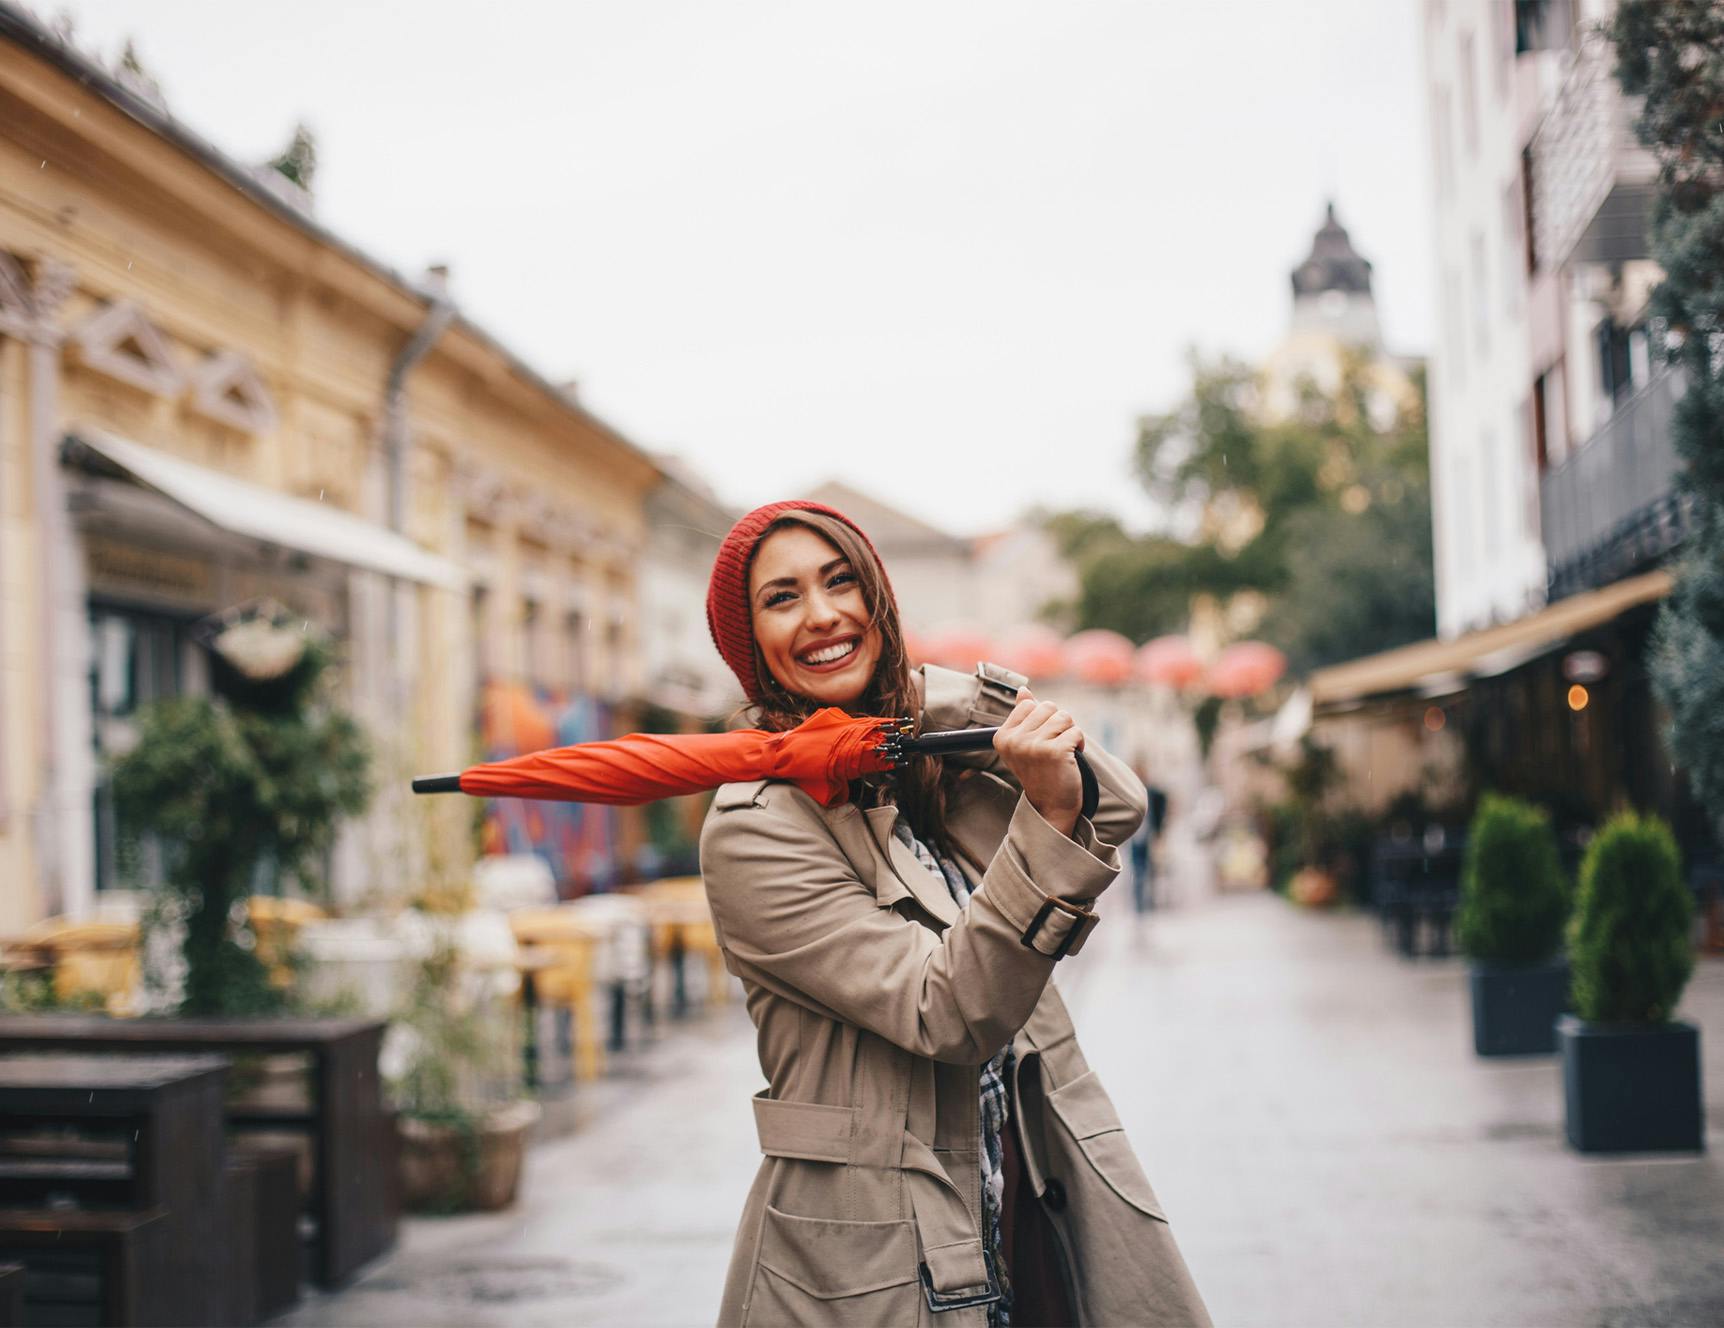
354 1199
88 1267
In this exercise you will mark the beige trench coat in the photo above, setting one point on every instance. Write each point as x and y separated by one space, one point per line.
877 1000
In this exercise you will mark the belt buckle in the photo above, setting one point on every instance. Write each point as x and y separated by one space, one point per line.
938 1303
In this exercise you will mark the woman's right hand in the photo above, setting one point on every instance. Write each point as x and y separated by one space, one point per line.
1036 743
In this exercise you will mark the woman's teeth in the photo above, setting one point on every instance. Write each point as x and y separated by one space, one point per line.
830 655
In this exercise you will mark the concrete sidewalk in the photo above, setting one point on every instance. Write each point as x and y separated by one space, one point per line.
1331 1151
1306 1103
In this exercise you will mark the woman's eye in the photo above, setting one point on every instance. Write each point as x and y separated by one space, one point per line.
841 578
777 598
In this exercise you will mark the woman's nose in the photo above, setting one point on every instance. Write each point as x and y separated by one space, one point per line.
820 610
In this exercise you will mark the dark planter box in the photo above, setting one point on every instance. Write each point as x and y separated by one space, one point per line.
1631 1088
1515 1007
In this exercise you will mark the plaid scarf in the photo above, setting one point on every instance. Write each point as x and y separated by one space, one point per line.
994 1102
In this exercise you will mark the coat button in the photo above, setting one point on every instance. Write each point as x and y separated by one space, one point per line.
1054 1195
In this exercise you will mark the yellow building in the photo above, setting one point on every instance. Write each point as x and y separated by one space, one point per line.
205 398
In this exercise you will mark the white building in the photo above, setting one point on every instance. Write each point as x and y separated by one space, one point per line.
1541 203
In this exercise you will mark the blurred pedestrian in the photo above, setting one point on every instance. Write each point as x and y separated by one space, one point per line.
933 1139
1145 841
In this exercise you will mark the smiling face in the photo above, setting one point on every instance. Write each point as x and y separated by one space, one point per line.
810 618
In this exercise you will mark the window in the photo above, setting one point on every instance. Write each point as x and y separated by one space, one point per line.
1469 95
1513 276
1481 297
1539 424
1616 359
1528 230
1443 146
1543 25
136 657
481 627
532 629
575 650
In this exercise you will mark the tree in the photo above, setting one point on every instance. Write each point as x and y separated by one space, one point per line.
1671 54
1325 514
253 780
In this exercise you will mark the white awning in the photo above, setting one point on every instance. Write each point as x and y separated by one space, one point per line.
249 510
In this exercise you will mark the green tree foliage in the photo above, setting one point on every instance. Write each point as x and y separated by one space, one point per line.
1671 54
1514 900
1324 513
255 779
1628 943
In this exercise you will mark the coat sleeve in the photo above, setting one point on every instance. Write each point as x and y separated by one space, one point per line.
983 699
794 917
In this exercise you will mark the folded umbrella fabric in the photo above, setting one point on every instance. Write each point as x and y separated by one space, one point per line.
820 756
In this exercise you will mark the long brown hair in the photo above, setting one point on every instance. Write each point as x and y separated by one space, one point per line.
918 782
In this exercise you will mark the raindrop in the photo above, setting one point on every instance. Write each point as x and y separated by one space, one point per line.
43 166
320 495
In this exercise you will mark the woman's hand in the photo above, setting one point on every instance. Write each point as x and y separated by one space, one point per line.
1036 744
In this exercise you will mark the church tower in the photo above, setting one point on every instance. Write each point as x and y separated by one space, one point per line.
1332 289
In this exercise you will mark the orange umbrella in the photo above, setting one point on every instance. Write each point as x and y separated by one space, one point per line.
1101 656
820 756
1169 661
1246 669
1034 651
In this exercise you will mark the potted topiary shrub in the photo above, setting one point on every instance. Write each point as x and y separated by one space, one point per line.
1514 901
1631 1073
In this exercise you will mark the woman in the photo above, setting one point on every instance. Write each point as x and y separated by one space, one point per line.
936 1150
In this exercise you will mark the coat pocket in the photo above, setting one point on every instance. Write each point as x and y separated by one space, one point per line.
1088 1115
816 1270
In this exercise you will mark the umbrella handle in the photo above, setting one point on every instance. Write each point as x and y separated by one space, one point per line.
437 784
975 740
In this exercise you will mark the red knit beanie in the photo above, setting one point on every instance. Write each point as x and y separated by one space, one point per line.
727 611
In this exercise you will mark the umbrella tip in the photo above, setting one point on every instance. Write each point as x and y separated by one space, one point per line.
437 784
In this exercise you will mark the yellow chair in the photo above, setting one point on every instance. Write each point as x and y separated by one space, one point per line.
682 918
91 958
570 981
275 922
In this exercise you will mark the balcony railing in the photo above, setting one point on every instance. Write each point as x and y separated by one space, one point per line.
1613 507
1592 180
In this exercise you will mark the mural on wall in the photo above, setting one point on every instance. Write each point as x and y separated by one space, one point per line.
578 841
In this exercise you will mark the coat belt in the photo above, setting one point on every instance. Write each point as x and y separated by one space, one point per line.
813 1132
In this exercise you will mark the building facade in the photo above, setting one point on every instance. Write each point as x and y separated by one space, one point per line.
208 399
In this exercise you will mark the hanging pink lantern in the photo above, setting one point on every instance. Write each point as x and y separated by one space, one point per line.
1033 650
1246 669
1169 661
1100 656
959 648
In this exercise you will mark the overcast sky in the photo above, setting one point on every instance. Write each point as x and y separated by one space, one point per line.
946 250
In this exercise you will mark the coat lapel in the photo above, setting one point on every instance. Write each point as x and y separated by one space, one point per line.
899 870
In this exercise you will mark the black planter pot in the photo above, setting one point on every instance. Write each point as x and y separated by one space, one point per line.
1631 1088
1515 1007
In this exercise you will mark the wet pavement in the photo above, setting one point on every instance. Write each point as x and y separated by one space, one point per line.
1306 1103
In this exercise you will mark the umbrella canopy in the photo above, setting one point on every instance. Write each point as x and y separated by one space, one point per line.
1101 656
1035 651
959 648
820 756
1246 669
1169 661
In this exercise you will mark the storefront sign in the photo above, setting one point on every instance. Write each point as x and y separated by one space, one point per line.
128 569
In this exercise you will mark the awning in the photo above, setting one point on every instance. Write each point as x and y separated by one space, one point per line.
249 510
1435 668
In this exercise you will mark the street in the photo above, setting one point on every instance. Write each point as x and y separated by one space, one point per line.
1307 1105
